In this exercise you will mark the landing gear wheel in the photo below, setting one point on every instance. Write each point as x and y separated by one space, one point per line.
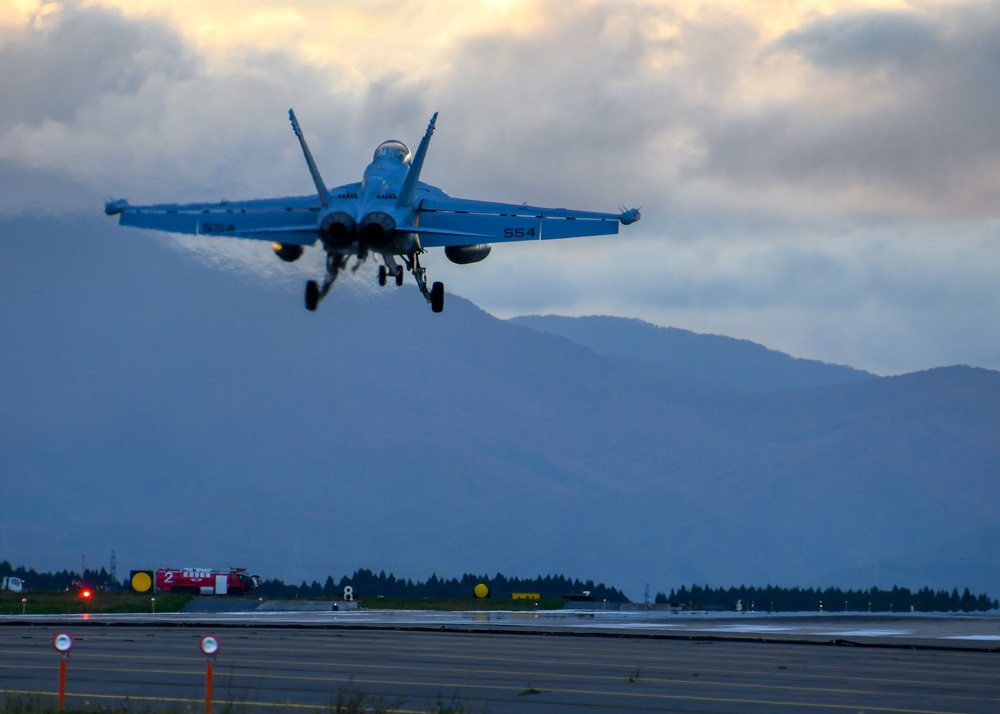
382 275
437 297
312 295
399 277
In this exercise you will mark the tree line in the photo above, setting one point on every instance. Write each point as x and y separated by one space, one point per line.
363 583
367 584
776 599
60 580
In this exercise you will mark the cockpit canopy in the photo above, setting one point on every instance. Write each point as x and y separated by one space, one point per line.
394 149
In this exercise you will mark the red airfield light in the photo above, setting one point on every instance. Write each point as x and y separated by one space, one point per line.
86 593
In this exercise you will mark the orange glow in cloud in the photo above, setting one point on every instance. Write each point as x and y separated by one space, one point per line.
17 12
410 36
352 35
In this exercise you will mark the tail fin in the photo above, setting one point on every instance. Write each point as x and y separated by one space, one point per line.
317 179
413 175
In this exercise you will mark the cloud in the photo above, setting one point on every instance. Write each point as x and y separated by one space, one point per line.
901 41
895 115
68 59
793 164
885 114
120 104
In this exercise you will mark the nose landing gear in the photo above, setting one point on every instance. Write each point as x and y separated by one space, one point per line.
391 268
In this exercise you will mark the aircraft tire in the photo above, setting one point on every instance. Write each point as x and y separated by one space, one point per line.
312 295
399 278
437 297
382 274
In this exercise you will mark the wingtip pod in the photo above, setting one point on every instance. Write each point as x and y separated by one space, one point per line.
630 216
113 208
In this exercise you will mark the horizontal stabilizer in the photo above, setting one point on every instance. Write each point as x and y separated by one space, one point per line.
464 205
293 220
503 222
443 229
553 228
428 231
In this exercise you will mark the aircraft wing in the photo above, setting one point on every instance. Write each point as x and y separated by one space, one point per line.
455 221
292 220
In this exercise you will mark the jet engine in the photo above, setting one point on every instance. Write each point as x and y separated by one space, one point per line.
288 252
340 229
465 254
376 230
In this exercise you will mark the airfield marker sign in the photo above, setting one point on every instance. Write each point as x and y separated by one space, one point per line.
209 646
62 642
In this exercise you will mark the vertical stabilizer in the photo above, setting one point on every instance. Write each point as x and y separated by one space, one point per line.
413 175
317 179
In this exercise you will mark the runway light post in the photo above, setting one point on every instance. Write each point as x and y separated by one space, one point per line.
62 643
209 646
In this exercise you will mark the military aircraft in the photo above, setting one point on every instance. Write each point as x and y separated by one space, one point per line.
390 213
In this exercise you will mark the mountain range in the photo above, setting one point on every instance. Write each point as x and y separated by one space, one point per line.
184 415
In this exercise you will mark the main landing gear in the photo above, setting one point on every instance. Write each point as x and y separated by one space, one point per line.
336 262
435 296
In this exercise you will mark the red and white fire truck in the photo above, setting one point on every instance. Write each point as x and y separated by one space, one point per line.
205 581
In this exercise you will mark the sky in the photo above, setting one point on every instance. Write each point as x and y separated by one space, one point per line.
819 177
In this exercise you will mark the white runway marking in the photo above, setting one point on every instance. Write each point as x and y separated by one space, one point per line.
867 633
748 628
955 627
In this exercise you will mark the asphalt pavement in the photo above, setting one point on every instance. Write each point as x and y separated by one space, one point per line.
514 662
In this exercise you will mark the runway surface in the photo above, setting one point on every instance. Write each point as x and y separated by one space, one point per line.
516 662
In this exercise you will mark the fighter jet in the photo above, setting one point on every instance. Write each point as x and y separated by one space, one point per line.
390 213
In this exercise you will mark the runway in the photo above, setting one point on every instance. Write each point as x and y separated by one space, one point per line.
516 662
